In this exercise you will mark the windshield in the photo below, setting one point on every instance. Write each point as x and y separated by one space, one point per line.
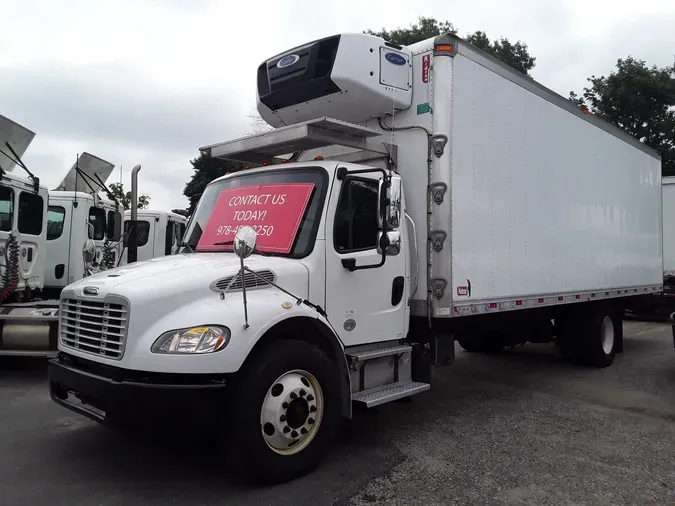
283 206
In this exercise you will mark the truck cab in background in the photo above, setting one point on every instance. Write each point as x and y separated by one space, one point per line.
159 233
84 230
49 239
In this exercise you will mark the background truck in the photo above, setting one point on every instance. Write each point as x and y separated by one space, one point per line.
49 239
662 303
159 233
408 197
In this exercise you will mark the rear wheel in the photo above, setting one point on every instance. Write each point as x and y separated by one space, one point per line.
285 412
471 345
590 336
602 337
491 342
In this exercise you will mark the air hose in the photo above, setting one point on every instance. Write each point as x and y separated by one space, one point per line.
10 278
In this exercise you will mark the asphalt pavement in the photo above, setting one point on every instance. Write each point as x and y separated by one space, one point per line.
521 428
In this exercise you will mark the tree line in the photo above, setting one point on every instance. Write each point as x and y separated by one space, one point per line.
635 97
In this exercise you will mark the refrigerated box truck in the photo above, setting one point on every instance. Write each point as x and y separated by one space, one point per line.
408 197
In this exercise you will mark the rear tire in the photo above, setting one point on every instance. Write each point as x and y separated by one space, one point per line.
285 412
491 342
471 345
602 337
590 336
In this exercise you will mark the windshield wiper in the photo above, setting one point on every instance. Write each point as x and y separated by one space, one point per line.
230 243
187 246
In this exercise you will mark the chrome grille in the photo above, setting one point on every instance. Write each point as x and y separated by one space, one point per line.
250 280
96 327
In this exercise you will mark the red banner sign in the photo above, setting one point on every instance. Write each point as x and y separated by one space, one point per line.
273 210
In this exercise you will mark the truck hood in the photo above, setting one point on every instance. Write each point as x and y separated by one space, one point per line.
187 274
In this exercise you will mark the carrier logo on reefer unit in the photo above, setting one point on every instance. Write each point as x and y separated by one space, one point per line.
287 61
395 58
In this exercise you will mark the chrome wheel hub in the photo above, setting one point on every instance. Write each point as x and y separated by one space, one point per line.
292 412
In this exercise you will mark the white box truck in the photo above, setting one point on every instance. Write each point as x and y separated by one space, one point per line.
407 198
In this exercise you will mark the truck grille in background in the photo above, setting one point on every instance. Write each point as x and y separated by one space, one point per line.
95 327
250 280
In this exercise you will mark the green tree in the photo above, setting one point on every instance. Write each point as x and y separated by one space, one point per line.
206 169
639 100
124 198
514 54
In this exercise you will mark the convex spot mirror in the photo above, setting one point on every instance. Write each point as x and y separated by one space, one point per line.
89 251
391 243
244 241
389 199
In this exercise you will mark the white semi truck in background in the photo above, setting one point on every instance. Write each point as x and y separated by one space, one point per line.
159 233
408 198
49 240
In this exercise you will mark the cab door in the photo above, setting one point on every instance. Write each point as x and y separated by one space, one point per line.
367 304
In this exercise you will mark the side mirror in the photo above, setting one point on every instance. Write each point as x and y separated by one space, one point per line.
88 251
244 241
390 243
390 199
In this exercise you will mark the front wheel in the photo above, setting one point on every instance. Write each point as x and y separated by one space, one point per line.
285 412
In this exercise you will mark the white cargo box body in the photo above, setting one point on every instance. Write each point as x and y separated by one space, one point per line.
537 203
668 190
544 202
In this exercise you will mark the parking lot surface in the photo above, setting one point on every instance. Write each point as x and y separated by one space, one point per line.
520 428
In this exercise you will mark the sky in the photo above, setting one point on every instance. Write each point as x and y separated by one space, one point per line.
151 81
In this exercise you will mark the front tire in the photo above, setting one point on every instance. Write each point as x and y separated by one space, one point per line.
285 412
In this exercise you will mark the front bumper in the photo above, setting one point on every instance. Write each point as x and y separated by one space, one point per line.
105 394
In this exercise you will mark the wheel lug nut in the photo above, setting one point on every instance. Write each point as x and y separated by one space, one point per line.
312 409
293 395
294 434
287 429
310 397
310 421
303 393
285 405
303 430
282 418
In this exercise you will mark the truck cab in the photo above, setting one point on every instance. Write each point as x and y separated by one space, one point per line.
23 218
73 219
49 239
159 233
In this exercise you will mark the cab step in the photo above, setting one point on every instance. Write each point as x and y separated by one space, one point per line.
389 393
364 355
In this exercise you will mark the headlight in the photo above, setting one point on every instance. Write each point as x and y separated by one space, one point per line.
206 339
